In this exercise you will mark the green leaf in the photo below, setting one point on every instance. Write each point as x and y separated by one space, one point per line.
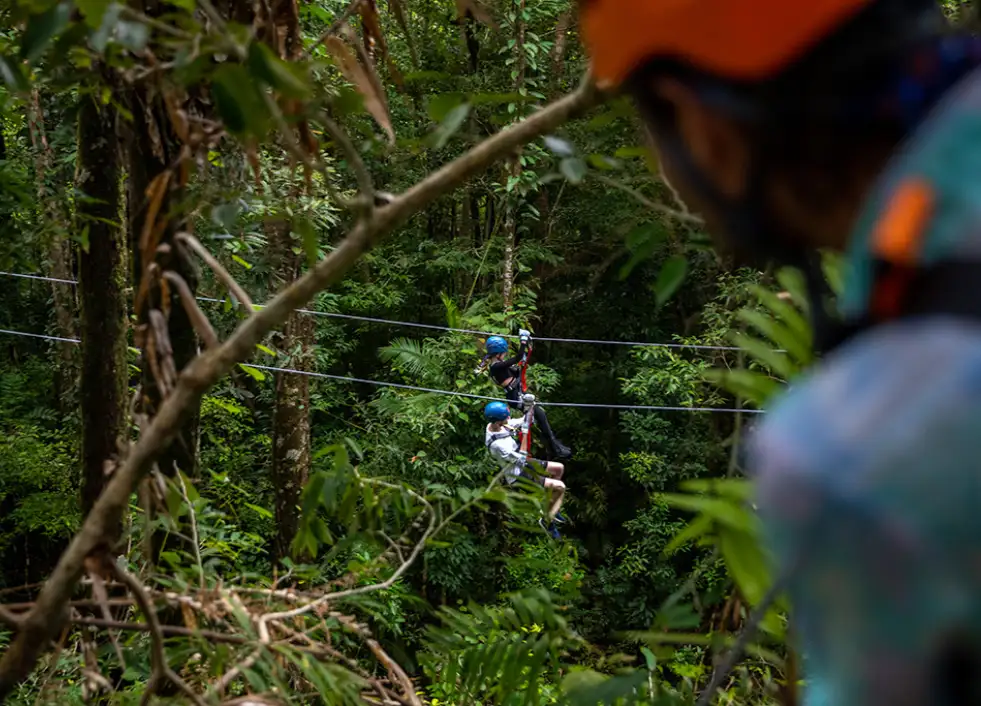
642 241
649 659
275 72
13 76
254 372
630 152
746 564
239 101
696 529
672 274
41 29
747 384
264 349
574 169
778 334
308 235
242 262
93 11
603 163
438 107
261 511
778 363
192 493
723 512
589 688
451 123
785 311
188 5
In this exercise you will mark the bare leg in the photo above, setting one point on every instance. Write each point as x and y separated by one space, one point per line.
558 493
555 470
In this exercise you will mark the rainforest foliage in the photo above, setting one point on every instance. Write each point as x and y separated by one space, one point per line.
311 536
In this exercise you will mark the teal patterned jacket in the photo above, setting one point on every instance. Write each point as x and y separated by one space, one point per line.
869 468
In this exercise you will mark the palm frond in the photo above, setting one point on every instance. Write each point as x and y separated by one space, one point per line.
411 357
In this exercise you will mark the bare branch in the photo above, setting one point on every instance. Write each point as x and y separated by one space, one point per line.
158 656
9 619
200 322
102 598
683 216
232 674
174 630
264 620
156 24
42 623
334 27
365 184
194 529
220 272
394 668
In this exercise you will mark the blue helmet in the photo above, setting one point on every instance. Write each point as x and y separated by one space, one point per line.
496 344
496 411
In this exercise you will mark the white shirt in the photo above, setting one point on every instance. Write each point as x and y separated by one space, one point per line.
504 447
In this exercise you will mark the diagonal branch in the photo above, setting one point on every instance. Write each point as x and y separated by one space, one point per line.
220 272
42 623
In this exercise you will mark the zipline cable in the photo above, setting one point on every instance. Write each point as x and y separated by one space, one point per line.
416 388
435 327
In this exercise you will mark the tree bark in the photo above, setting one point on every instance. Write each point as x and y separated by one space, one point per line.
53 216
513 170
291 413
151 151
101 288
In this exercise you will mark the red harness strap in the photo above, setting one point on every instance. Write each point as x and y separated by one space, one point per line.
529 413
526 429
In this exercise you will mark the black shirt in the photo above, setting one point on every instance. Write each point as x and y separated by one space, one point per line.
503 370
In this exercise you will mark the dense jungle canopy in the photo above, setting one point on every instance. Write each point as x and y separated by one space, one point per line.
237 503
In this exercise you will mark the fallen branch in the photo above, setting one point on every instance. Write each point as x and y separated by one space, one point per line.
171 630
42 623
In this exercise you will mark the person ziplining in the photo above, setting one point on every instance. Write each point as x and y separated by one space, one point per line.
511 374
512 456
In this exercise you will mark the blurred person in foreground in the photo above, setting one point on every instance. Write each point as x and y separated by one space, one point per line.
848 125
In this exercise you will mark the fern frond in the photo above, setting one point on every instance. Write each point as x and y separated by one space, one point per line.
410 357
491 654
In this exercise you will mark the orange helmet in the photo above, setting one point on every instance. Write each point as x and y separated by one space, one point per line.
736 39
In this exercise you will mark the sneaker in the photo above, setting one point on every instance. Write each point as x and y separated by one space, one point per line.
560 451
560 518
553 532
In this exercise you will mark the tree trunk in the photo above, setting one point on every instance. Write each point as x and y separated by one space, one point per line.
511 236
101 287
153 192
169 345
512 171
53 216
291 413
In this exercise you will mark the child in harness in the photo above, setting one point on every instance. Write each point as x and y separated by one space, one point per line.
504 371
503 447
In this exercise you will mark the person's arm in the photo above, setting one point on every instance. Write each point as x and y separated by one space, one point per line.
508 452
514 360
